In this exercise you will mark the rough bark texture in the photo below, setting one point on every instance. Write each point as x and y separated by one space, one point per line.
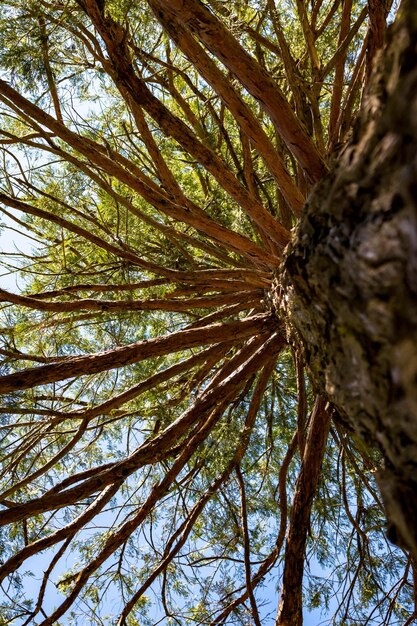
350 278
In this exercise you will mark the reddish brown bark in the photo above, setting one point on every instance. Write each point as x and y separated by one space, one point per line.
168 304
97 154
208 29
136 92
244 116
126 355
290 611
230 379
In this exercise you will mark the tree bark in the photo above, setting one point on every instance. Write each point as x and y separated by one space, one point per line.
290 610
349 282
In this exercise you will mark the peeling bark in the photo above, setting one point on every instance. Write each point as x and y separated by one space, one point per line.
349 280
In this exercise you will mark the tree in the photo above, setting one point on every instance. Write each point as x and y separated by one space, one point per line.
166 453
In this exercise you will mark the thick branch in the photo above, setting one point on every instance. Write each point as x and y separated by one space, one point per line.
133 353
290 612
208 29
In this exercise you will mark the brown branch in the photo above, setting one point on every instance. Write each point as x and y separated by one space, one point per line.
100 288
187 526
155 448
110 306
378 10
272 557
22 356
337 88
48 70
344 45
291 603
69 530
295 80
169 231
309 37
246 544
218 39
158 491
46 466
326 21
133 353
98 155
136 93
352 95
241 112
85 234
301 402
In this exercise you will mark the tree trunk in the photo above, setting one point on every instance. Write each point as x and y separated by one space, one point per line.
349 282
